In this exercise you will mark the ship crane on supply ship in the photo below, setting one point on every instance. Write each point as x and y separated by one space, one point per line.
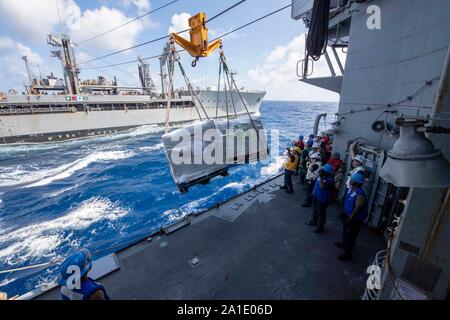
235 134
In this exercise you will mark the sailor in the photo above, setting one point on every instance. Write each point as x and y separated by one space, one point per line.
326 147
357 166
74 281
322 196
314 167
316 149
304 158
358 162
336 162
355 210
290 165
300 143
311 138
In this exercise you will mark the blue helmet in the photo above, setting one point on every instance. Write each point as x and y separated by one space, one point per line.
309 143
328 168
82 259
301 137
358 177
311 136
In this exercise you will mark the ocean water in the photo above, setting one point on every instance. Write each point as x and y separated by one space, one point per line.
106 192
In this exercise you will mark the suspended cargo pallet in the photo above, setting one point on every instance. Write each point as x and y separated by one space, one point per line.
184 150
204 150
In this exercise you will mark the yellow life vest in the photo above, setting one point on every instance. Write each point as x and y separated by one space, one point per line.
291 165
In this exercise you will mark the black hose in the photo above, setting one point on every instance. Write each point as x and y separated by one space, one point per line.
316 41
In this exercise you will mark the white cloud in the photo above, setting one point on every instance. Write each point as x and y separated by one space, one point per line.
180 22
34 19
93 22
12 67
276 54
142 5
278 76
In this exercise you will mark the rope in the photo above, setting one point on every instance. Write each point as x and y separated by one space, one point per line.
226 99
126 23
41 265
317 39
59 260
379 106
190 87
226 10
165 37
218 88
157 39
170 65
231 95
233 82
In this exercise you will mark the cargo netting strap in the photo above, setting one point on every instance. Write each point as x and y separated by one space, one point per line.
218 88
233 84
174 57
191 89
170 65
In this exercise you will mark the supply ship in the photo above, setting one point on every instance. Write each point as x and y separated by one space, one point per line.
55 109
257 246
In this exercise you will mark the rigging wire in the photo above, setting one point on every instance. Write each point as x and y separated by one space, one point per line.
59 17
162 37
400 103
128 22
219 37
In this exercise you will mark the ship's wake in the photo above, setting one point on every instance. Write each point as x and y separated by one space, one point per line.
17 176
40 240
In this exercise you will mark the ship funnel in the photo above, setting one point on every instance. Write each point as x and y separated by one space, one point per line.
413 161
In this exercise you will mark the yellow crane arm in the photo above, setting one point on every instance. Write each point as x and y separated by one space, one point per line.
198 45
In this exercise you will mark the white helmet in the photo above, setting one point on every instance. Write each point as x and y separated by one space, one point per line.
316 156
316 145
360 159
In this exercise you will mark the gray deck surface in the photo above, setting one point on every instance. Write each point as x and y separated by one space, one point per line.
267 252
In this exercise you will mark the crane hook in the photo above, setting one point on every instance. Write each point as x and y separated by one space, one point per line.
194 63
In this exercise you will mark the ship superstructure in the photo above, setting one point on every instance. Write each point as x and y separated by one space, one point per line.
393 91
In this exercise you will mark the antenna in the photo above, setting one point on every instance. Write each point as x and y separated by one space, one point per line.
59 16
40 73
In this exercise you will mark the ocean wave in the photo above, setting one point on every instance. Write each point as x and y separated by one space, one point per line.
61 191
7 281
156 147
274 167
46 146
42 239
202 203
19 177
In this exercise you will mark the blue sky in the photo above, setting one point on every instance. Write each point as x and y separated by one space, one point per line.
264 55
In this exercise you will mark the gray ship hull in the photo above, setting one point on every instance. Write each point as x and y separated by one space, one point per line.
51 118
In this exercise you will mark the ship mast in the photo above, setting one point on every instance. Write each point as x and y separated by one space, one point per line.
30 77
67 56
144 76
163 72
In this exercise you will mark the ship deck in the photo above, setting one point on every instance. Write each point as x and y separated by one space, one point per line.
263 250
